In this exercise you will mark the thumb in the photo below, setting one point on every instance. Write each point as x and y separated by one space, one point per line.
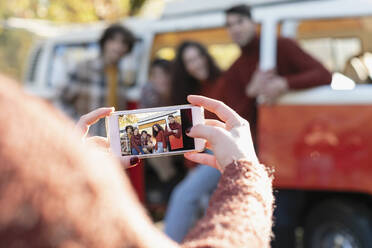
210 133
91 118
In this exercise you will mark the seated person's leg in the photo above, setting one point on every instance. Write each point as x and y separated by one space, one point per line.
134 151
160 147
184 200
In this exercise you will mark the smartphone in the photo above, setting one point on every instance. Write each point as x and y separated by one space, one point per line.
154 132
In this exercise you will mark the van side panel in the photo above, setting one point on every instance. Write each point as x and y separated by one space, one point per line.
318 147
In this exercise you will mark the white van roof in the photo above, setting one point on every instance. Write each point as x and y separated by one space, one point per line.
194 7
182 15
298 10
92 32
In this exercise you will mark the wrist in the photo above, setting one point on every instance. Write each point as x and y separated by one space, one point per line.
246 165
238 156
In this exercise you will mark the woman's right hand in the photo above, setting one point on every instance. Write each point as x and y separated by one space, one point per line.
230 140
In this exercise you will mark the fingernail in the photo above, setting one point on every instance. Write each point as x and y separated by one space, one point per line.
188 129
134 160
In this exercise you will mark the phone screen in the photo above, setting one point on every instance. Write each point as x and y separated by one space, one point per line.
155 132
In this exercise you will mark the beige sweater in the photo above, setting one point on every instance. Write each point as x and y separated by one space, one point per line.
57 192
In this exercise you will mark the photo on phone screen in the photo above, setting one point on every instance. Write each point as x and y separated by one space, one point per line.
155 132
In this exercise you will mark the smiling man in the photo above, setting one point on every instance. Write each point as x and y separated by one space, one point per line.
243 81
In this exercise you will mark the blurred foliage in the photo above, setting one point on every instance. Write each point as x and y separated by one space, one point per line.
15 45
125 120
70 10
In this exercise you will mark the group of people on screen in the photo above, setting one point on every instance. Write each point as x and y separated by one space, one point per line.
163 138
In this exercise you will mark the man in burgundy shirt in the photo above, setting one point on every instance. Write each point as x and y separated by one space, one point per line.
243 82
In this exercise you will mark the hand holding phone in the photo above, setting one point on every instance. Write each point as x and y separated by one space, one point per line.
82 127
134 132
90 119
229 139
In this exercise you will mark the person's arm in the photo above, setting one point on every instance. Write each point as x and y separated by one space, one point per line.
179 131
240 210
307 71
163 139
167 132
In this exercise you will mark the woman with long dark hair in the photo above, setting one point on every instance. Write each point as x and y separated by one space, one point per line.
158 133
194 72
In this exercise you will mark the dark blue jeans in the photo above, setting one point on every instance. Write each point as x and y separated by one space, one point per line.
185 199
134 151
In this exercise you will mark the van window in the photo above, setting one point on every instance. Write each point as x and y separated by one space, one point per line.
343 45
333 52
67 56
217 40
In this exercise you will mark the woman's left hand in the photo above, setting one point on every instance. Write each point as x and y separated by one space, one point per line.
90 119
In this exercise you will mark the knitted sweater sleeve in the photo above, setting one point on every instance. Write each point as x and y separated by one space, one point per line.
240 210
